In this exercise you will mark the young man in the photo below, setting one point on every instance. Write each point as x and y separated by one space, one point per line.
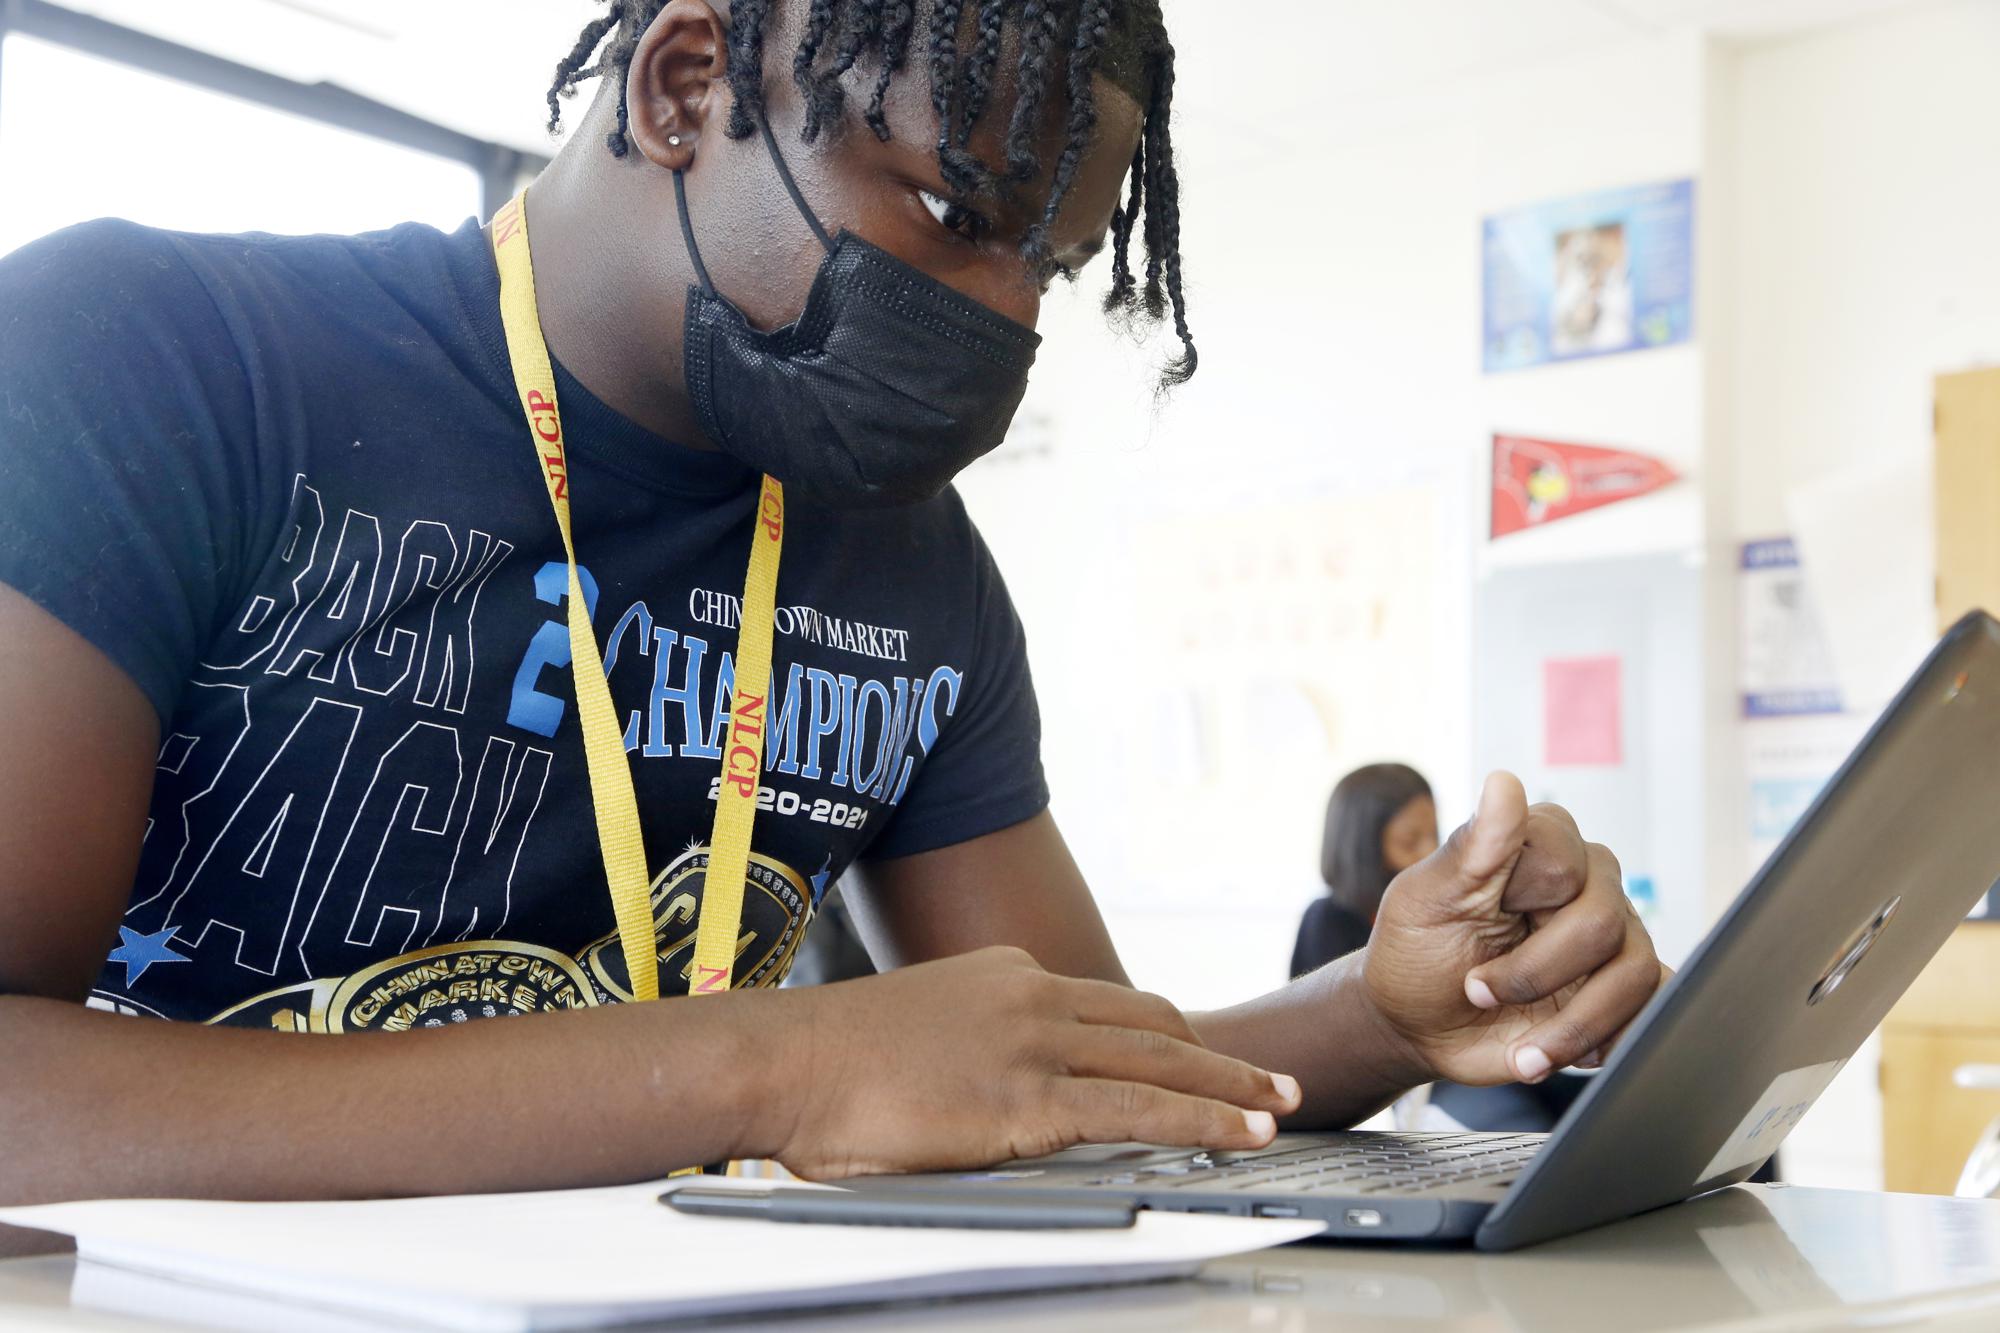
298 727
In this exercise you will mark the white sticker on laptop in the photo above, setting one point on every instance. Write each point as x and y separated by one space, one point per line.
1782 1106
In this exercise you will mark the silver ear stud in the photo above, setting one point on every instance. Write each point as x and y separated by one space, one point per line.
673 141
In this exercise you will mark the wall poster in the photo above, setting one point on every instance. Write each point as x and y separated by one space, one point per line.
1786 670
1590 275
1582 711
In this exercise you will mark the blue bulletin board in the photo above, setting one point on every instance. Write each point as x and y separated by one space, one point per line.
1591 275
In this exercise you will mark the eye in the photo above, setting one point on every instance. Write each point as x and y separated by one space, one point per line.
954 216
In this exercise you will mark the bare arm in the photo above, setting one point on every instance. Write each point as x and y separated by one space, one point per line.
93 1103
963 1063
1508 954
1021 887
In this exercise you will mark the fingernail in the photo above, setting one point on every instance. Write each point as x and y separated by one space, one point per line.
1287 1086
1480 994
1531 1062
1260 1123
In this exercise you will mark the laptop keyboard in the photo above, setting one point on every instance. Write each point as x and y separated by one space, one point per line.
1364 1164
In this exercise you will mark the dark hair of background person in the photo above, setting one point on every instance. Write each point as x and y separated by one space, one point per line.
1350 856
1056 48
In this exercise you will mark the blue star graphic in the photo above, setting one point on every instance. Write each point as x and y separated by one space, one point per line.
819 881
139 952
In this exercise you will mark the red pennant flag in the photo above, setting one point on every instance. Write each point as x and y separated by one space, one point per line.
1539 481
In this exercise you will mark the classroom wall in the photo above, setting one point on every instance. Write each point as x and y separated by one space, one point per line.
1867 197
1859 165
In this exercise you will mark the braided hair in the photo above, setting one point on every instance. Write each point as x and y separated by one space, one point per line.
1058 46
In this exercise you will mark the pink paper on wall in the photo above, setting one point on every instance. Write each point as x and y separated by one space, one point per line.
1581 718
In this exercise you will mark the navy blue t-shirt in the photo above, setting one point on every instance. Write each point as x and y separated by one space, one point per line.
284 483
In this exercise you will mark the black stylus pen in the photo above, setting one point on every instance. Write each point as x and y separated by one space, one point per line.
855 1209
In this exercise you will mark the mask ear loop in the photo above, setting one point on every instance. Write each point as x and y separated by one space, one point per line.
792 186
687 234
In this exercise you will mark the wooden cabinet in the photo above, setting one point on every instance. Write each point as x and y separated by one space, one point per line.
1950 1017
1967 453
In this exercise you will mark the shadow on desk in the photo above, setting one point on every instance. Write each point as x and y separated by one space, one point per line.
19 1242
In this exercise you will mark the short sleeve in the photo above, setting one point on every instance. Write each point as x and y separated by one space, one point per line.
125 429
985 772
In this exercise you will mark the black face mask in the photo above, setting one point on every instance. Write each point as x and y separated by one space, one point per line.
886 386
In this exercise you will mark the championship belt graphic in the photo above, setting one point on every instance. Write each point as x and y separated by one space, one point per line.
456 983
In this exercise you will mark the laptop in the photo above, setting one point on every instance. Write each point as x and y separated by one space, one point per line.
1900 846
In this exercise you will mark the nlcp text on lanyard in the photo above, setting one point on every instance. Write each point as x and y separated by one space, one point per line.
618 832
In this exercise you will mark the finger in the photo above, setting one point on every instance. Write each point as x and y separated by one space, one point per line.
1598 1011
1118 1006
1554 863
1141 1055
1596 1059
1477 856
1109 1111
1560 814
1571 944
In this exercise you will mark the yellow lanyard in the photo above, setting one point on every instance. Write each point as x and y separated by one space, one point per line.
618 833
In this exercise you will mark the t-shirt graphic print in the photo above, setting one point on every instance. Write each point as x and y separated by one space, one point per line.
283 483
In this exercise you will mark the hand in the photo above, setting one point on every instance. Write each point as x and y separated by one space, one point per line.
1512 951
985 1057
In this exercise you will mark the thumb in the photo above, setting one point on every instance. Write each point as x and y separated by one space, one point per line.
1481 852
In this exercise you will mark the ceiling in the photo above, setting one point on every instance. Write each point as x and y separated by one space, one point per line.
1338 54
480 66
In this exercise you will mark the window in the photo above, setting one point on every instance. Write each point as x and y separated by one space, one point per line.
82 137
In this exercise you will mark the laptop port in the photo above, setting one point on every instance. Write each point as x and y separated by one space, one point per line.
1275 1210
1363 1218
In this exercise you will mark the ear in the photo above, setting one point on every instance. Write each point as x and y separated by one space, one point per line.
676 81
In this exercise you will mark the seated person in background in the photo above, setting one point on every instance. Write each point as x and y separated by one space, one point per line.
1380 821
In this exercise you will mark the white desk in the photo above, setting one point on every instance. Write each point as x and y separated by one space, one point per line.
1751 1258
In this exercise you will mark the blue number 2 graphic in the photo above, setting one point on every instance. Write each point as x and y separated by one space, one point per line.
532 710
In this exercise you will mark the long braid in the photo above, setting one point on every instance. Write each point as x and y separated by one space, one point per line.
897 24
746 66
961 170
863 28
819 21
1040 22
826 97
575 67
1163 220
1122 41
980 66
1119 298
1151 295
1092 25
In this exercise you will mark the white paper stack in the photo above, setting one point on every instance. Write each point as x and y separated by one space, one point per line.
576 1258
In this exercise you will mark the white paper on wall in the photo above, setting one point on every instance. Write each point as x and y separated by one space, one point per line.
1864 537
